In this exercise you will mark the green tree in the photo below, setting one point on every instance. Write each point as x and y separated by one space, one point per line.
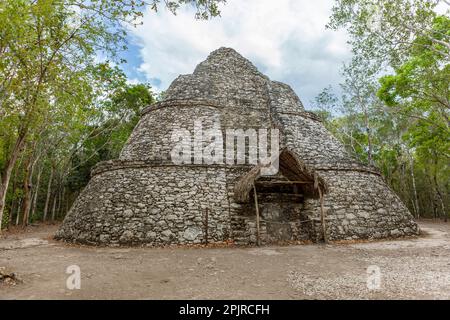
48 49
420 86
420 90
400 68
383 31
103 140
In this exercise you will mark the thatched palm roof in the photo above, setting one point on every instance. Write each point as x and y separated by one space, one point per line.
292 168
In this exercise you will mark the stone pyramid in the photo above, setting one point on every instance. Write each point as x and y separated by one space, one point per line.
320 192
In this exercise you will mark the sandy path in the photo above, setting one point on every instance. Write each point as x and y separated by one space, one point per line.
410 269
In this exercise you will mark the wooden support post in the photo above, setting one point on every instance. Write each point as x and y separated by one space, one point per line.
322 217
206 225
258 235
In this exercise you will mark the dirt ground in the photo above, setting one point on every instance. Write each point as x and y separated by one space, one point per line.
410 269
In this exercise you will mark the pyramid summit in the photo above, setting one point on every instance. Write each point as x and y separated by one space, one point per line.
320 192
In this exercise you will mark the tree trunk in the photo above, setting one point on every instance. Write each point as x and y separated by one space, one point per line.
27 191
19 210
60 201
13 198
413 177
54 206
12 211
369 134
6 175
439 195
67 204
404 191
49 192
369 147
431 192
36 193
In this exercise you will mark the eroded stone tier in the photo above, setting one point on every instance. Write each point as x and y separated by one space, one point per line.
144 198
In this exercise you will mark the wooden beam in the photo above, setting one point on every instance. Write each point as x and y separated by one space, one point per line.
293 195
205 225
282 182
287 172
316 181
258 235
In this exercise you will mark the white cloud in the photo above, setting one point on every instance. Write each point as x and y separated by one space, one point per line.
285 39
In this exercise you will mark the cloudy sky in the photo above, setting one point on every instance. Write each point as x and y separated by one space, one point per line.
285 39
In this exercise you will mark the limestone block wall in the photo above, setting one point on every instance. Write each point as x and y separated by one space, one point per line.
226 77
359 205
313 143
283 99
152 137
155 205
